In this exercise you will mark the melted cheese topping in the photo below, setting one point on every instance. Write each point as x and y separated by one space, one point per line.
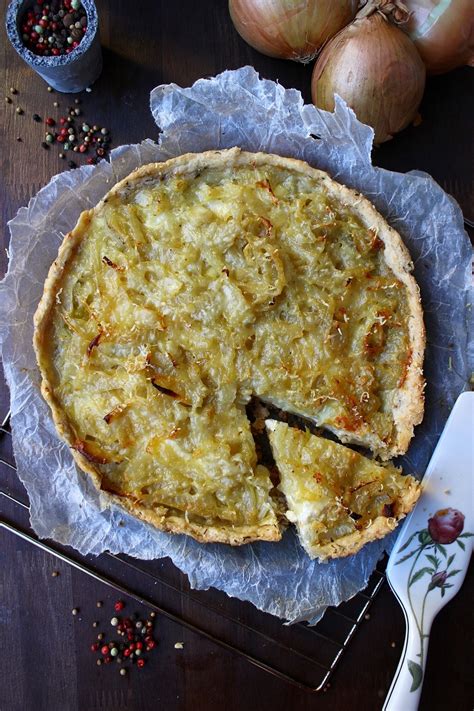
333 492
187 294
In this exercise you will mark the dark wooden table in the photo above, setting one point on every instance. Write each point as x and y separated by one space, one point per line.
45 662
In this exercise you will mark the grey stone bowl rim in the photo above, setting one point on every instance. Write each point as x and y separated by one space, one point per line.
36 60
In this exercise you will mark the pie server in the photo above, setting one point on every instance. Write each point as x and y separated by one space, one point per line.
430 559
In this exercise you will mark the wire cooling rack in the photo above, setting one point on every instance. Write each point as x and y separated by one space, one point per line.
302 655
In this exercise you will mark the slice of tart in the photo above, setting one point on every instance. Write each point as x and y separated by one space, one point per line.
338 499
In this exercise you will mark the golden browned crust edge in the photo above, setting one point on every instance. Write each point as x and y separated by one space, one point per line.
409 409
225 533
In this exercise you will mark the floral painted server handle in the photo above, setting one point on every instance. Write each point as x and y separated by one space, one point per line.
430 559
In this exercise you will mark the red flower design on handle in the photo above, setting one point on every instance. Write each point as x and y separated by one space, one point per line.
446 525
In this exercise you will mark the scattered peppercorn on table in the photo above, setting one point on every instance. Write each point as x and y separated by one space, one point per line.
62 631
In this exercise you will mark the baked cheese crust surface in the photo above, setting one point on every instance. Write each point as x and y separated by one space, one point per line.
198 282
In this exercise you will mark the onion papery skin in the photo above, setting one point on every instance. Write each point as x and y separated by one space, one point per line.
290 29
443 32
376 69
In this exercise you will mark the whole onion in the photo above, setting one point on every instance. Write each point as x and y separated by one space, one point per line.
375 68
443 32
290 29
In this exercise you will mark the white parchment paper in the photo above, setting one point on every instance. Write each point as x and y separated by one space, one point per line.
235 108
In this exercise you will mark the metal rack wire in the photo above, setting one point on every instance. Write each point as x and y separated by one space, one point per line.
302 655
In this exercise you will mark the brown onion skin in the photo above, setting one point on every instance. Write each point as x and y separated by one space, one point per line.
290 29
449 42
376 69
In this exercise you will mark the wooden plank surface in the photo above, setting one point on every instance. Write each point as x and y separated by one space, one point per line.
46 664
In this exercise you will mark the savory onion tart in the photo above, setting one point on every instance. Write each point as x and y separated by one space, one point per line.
199 282
338 499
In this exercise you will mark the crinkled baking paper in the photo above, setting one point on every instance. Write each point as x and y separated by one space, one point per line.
236 108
